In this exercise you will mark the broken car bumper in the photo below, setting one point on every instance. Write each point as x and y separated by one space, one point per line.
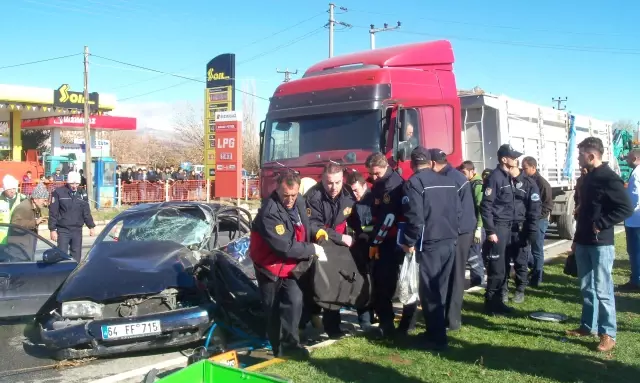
89 339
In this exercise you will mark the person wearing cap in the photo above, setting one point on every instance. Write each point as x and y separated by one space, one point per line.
27 214
498 210
9 201
384 252
432 209
524 231
68 212
466 230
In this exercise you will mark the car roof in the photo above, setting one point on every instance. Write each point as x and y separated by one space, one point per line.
157 206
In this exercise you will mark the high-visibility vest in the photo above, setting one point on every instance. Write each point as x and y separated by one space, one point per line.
6 210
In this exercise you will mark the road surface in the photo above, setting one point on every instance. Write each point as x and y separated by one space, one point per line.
17 366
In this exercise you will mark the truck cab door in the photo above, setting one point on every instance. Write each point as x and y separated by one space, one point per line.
428 125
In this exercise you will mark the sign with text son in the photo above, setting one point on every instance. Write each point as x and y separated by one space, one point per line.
228 140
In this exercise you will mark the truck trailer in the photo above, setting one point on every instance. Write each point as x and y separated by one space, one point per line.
384 100
541 132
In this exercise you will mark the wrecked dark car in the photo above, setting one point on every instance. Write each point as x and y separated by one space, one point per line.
157 276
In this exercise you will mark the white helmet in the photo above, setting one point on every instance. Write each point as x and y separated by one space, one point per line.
9 182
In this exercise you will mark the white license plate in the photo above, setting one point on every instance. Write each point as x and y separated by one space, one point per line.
131 330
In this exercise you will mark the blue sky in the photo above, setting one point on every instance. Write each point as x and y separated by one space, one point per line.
583 50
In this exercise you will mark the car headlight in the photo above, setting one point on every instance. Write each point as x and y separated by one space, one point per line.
81 309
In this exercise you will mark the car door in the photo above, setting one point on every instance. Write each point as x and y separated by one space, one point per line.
26 281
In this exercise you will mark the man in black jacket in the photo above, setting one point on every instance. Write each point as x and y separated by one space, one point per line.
68 213
364 203
524 231
498 210
329 207
605 204
384 250
432 209
530 168
466 229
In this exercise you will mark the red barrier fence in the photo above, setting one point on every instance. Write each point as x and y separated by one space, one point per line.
145 191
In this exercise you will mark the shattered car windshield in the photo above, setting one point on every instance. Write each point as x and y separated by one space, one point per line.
183 226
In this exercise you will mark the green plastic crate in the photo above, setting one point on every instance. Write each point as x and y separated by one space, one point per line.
206 371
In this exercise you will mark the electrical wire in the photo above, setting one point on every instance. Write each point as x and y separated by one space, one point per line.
40 61
191 79
592 49
287 44
474 24
239 49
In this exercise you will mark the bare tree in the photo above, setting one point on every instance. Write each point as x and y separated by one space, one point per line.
250 137
189 130
627 125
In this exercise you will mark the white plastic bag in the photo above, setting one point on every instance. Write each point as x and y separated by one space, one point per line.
407 290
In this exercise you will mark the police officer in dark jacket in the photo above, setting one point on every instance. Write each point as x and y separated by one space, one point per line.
530 168
282 253
524 232
498 210
466 230
432 210
330 207
364 203
384 250
68 212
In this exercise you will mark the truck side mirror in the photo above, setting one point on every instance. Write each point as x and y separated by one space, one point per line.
404 151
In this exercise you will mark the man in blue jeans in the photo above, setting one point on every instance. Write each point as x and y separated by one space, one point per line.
632 224
603 203
530 168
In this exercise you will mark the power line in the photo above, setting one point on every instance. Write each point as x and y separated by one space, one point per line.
39 61
241 48
474 24
189 79
289 43
592 49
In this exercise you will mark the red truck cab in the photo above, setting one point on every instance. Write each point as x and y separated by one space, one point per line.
347 107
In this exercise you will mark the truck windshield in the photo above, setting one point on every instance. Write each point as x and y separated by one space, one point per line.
295 137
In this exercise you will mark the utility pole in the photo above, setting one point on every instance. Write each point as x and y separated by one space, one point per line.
287 74
559 101
332 23
373 31
87 130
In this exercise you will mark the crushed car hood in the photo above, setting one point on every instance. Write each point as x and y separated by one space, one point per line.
122 269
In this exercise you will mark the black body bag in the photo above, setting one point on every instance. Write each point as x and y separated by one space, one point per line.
344 279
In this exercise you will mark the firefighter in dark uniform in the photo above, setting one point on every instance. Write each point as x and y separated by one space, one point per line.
498 209
466 227
68 213
387 256
432 210
282 253
523 232
330 206
364 203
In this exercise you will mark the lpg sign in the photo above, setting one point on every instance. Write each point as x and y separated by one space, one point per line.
228 152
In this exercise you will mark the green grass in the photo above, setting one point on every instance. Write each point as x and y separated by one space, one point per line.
489 349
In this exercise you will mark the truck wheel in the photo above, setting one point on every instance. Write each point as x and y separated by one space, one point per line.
566 221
